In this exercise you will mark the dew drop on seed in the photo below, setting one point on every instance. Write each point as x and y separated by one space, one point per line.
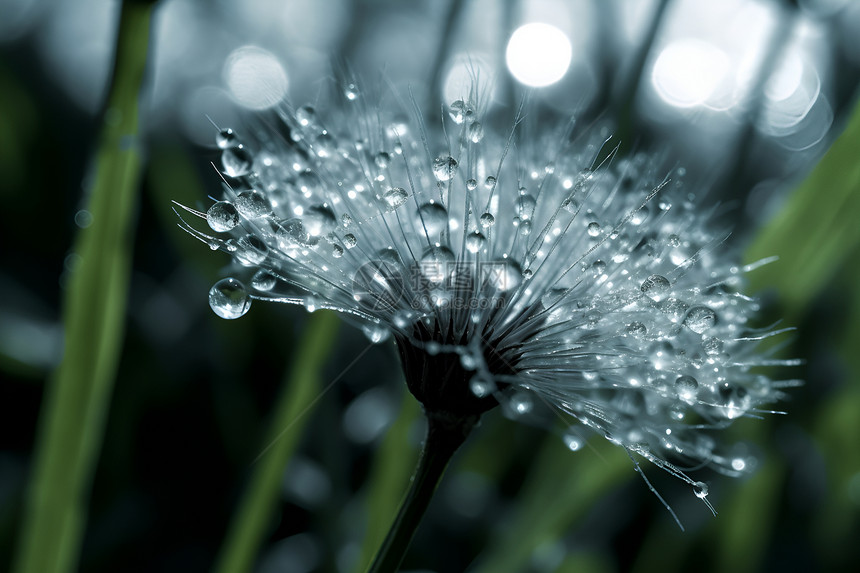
525 228
345 220
236 161
229 298
460 111
481 387
490 182
674 308
306 115
226 138
444 167
712 346
382 159
700 318
468 361
395 197
471 184
593 229
319 220
475 242
526 207
349 240
251 250
375 333
520 403
487 220
476 132
503 275
573 442
432 218
436 264
598 267
263 280
222 216
655 287
292 232
570 205
336 251
351 92
636 329
253 205
687 388
700 488
674 241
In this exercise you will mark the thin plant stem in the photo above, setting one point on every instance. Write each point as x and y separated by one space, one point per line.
77 397
445 435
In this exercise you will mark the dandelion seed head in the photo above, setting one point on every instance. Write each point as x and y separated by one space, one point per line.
507 270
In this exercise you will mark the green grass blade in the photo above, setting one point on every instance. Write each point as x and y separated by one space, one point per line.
302 390
77 398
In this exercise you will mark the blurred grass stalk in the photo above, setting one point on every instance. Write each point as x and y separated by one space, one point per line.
77 397
302 390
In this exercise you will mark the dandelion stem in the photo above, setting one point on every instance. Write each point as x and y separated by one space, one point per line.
445 435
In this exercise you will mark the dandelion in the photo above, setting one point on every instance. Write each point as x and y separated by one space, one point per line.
539 273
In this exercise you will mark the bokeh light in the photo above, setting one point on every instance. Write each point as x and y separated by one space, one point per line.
687 72
538 54
255 77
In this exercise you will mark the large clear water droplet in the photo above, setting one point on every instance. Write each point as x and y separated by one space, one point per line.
226 138
253 204
487 220
349 240
503 275
395 197
700 488
222 216
319 220
687 388
432 218
700 318
475 242
526 207
237 161
251 250
437 264
263 280
593 229
229 298
656 287
444 167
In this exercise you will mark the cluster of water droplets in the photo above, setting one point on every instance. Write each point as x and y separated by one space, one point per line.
597 284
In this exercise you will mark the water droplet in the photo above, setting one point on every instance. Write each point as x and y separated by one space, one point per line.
674 241
700 318
236 161
336 251
487 220
570 205
490 182
636 329
593 229
476 132
481 387
526 207
525 228
222 216
475 242
349 240
351 91
229 298
251 250
460 111
292 232
598 267
737 401
436 264
687 388
503 275
253 205
432 218
306 115
226 138
263 280
712 346
382 159
572 440
310 303
319 220
444 167
739 464
471 184
674 308
656 287
468 361
395 197
376 333
700 488
520 403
